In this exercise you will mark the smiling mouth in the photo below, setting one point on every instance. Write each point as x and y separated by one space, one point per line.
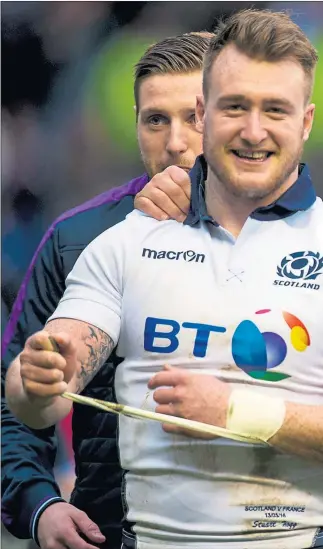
252 156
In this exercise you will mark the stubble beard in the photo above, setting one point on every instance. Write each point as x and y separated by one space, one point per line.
153 168
231 186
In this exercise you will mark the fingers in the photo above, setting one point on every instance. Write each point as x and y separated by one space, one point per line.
59 343
63 526
180 178
74 541
43 359
39 342
166 409
172 429
158 198
43 372
42 375
170 377
145 205
169 410
164 396
176 193
65 344
88 527
167 193
43 390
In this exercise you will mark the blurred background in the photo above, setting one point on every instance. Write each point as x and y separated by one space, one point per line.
68 124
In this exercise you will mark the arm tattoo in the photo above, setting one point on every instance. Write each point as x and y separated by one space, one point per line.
100 346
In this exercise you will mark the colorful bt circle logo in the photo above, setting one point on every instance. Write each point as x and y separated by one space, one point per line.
257 353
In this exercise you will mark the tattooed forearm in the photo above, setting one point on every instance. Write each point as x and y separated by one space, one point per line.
93 347
92 332
99 346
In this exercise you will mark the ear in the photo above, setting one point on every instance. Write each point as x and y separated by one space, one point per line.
308 121
199 113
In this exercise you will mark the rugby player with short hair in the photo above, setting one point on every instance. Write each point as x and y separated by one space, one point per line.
200 313
168 78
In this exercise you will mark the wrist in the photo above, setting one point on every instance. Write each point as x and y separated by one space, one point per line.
39 512
254 414
38 412
222 406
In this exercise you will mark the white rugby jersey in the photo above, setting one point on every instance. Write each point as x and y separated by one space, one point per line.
248 311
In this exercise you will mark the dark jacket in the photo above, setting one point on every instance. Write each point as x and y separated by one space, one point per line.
28 455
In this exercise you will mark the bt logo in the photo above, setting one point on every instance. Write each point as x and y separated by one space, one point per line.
201 339
257 353
253 351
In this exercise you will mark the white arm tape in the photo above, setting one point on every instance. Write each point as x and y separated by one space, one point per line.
254 414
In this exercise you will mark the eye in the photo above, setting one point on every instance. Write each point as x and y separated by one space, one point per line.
192 119
235 107
276 110
156 120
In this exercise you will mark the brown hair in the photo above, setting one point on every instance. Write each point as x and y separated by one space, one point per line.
263 35
178 54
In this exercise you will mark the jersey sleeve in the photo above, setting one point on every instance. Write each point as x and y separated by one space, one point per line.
94 286
28 456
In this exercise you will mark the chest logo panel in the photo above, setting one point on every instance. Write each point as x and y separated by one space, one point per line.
256 347
300 270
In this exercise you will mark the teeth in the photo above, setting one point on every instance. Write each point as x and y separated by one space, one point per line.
256 155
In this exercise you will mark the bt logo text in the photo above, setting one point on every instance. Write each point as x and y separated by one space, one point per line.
153 331
189 255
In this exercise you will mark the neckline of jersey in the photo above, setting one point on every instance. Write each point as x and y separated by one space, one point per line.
299 197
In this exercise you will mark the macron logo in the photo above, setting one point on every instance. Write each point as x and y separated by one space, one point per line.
188 256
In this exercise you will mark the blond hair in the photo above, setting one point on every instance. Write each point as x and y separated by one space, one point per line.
266 36
178 54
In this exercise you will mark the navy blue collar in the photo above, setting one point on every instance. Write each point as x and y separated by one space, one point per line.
299 197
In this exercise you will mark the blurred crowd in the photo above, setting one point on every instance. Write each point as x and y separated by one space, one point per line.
68 124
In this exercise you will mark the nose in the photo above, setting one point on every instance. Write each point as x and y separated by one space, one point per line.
177 139
253 130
